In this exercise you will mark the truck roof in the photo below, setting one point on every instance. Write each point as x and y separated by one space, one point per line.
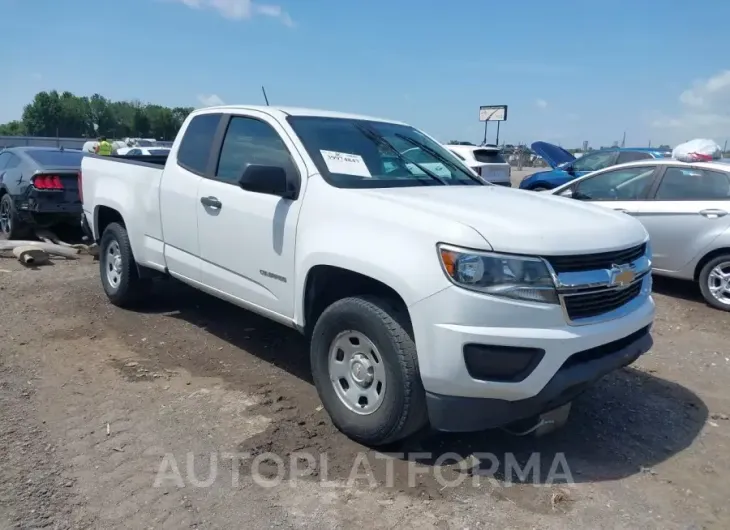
283 112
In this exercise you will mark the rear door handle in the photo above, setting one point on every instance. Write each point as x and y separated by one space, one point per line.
211 202
712 213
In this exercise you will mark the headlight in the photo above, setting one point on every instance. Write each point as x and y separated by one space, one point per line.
517 277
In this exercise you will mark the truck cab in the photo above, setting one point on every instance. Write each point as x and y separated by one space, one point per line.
427 298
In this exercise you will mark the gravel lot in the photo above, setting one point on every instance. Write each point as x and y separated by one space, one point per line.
115 419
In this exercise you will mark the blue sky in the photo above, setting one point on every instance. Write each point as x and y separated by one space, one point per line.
570 70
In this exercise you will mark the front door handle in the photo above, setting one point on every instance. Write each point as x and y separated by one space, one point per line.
713 213
211 202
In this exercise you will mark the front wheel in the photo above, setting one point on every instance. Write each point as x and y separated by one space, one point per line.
119 276
715 282
365 369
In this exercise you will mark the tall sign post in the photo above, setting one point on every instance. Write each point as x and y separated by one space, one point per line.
489 113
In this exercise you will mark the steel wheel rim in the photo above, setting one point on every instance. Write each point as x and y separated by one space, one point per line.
5 219
357 372
113 264
718 282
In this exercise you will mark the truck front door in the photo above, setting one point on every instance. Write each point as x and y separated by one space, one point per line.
246 238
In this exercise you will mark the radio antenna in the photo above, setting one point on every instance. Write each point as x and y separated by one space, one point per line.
265 98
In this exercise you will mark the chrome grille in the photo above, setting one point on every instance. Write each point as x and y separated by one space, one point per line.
594 303
602 260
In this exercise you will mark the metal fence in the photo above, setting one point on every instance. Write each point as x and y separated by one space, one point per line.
42 141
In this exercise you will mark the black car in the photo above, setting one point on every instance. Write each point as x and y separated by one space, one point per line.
39 188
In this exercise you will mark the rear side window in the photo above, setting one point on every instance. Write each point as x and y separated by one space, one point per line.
4 158
195 147
53 158
687 184
632 156
487 156
13 162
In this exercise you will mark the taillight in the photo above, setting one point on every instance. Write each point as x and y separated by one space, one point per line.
81 188
47 182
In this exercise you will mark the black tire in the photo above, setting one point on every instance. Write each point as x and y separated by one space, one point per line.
402 411
130 288
704 281
11 227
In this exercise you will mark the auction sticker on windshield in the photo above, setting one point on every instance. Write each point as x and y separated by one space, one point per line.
345 163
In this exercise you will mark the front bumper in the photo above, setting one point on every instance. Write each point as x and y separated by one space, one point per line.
458 401
578 373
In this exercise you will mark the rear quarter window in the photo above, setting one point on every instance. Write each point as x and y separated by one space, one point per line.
487 156
197 142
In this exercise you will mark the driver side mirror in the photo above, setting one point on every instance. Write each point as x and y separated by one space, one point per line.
271 180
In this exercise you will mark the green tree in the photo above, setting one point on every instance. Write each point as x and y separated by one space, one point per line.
65 114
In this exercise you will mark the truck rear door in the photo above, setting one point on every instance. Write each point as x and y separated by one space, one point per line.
179 202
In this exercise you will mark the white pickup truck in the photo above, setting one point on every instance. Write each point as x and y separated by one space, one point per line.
427 299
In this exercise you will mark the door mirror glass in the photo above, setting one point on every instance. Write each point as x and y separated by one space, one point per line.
271 180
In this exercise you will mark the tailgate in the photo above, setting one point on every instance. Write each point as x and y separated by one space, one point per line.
493 172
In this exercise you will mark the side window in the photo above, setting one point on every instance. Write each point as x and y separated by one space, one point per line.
251 141
628 184
632 156
13 162
194 151
4 159
681 183
594 161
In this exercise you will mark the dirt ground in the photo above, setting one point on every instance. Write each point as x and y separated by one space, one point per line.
174 417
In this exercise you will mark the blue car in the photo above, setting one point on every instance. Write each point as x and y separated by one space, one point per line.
566 167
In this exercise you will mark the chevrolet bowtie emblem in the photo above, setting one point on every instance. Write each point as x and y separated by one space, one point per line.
621 276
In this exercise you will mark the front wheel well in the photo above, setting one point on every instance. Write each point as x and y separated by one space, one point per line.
104 217
707 258
326 284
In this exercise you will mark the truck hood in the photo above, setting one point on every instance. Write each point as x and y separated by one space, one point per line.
522 222
552 154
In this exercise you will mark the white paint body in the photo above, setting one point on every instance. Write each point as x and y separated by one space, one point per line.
387 234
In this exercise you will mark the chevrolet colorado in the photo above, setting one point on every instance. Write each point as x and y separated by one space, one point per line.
428 299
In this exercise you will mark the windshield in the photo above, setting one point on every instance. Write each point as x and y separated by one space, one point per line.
53 158
351 153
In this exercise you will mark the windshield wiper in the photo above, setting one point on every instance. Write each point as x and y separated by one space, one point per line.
380 140
439 157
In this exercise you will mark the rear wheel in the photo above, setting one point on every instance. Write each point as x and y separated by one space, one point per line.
715 282
119 276
11 227
365 368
